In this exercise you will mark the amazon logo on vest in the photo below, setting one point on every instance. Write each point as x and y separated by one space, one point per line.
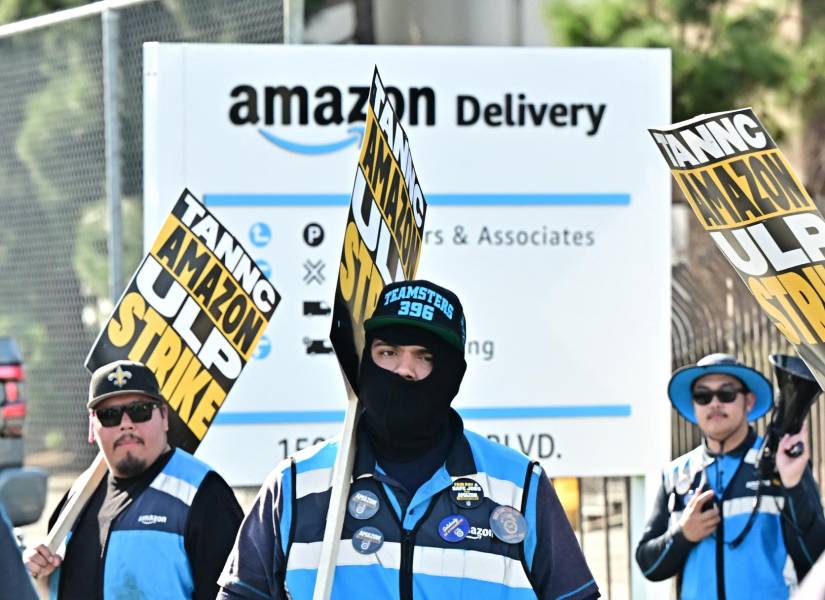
279 112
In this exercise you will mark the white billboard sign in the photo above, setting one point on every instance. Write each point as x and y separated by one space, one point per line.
548 215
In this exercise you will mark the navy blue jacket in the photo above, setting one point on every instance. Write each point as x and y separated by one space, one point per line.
278 547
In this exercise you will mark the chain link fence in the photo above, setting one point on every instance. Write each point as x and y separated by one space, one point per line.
54 263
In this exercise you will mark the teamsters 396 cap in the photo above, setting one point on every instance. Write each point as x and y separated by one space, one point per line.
423 304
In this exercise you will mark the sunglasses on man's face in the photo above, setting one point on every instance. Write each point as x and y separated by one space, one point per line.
139 412
727 395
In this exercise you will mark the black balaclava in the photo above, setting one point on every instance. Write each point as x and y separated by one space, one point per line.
406 418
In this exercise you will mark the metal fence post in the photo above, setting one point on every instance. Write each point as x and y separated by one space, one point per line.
293 21
517 14
730 330
111 124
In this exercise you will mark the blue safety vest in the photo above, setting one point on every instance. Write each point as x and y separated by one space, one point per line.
144 556
759 566
413 559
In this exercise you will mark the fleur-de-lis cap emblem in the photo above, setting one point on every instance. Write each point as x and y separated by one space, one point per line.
122 377
119 377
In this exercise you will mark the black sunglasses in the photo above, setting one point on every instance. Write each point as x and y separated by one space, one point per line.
704 397
139 412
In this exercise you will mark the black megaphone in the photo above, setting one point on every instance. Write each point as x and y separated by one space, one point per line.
798 390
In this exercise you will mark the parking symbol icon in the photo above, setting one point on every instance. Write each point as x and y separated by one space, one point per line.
313 234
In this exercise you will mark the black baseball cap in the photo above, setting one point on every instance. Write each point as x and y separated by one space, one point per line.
122 377
423 304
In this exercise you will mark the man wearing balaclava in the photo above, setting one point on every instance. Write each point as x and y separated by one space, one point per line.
434 511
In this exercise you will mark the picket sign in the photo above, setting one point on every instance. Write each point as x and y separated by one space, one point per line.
361 279
746 195
341 478
91 478
193 400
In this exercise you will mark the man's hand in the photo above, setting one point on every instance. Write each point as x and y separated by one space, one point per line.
40 561
791 468
697 525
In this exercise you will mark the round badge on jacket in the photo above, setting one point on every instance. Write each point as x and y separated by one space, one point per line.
453 528
363 505
367 540
466 493
508 525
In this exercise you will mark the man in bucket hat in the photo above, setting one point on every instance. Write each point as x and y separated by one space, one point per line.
718 527
160 524
434 511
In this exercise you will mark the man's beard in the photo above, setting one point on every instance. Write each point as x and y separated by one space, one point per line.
130 466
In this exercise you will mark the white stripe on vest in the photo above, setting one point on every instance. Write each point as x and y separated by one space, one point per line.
499 491
440 562
180 489
307 556
470 564
315 481
771 505
744 506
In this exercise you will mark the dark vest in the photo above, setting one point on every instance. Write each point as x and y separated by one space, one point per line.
145 555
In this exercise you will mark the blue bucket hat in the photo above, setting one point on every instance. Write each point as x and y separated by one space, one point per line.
681 384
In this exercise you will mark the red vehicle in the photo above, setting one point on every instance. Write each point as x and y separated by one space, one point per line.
22 489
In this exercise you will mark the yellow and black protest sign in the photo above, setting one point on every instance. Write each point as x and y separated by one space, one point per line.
193 313
382 241
748 198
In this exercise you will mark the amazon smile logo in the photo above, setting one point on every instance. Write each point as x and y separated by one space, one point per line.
355 134
278 112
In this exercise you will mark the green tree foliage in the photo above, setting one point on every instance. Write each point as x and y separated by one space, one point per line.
14 10
809 91
725 55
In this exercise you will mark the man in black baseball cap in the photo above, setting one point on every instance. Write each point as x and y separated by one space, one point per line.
161 522
434 511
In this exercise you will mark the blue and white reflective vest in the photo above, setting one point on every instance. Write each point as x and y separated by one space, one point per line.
759 566
144 556
413 560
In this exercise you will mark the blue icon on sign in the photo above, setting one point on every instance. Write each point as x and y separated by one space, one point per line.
263 349
266 268
260 234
